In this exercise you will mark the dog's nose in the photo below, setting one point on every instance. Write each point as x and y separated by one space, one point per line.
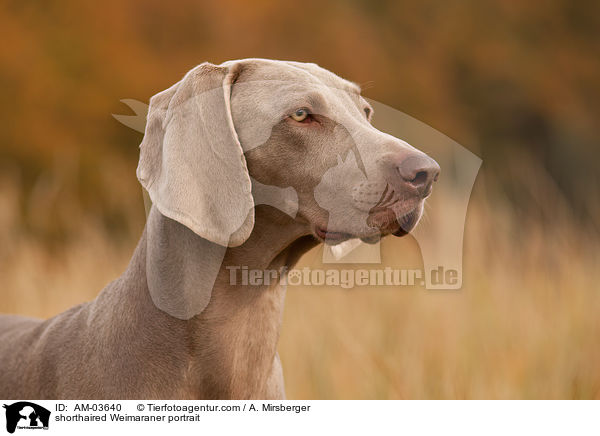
419 172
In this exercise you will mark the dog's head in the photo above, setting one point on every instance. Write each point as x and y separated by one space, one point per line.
282 124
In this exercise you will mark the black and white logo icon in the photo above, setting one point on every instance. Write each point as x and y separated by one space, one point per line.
26 415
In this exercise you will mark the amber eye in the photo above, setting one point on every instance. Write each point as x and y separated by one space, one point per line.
300 115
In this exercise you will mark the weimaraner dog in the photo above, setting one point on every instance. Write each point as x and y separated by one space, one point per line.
173 326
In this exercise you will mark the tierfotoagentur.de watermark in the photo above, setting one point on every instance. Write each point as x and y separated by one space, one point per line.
344 278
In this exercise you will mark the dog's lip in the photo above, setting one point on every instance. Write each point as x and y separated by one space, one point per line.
407 223
398 227
323 233
385 219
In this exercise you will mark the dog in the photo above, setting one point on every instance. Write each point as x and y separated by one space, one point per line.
248 163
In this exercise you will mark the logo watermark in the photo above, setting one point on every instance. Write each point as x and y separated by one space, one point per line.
352 194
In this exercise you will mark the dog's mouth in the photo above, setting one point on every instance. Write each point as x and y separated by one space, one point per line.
387 222
383 221
407 223
334 237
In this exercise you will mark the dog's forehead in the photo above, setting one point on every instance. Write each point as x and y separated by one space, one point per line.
299 73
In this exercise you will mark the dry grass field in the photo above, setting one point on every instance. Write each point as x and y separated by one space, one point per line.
525 324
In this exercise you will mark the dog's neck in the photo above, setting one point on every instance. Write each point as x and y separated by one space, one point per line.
229 350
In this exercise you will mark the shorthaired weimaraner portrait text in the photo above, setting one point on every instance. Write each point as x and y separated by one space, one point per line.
248 163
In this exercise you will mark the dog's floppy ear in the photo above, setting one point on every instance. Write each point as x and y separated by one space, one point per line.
191 161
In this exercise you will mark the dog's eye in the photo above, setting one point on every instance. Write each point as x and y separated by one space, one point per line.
368 112
300 115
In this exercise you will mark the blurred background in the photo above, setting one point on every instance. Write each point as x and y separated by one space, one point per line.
517 83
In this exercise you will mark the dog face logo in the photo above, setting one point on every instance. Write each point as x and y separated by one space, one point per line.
26 415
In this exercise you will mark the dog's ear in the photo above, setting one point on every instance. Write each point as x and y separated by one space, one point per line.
191 161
